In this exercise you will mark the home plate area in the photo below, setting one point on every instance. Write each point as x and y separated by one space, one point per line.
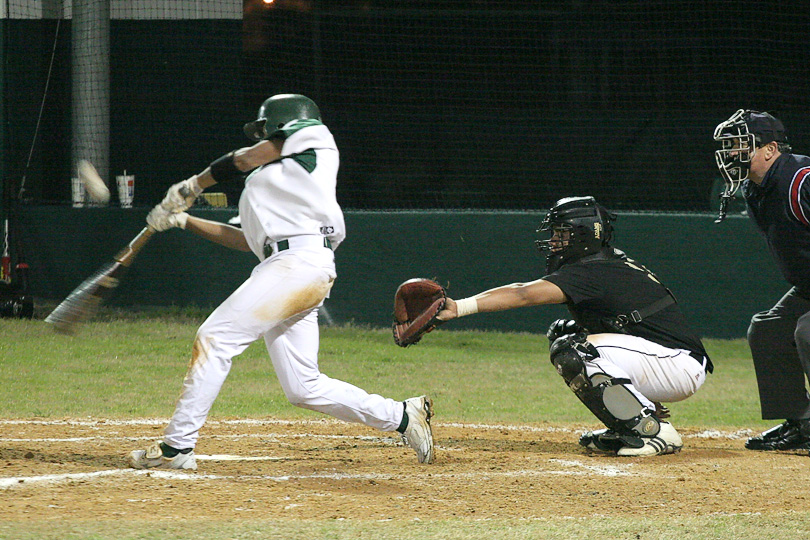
325 469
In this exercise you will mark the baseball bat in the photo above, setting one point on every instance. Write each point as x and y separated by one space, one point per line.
5 260
85 299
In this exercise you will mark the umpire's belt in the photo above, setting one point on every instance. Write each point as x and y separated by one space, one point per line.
296 242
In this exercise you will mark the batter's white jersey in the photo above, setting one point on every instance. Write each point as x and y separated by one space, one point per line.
292 197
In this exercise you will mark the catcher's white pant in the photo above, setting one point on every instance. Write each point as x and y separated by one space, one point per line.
279 302
657 373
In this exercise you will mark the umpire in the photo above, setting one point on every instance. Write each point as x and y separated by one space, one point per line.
754 153
628 347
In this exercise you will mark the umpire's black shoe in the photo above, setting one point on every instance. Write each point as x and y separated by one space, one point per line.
790 435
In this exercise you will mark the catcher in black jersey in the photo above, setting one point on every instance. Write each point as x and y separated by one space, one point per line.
627 348
754 153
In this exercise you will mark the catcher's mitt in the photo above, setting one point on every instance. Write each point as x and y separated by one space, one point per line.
416 304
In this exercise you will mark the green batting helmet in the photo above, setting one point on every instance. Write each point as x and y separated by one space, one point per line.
279 110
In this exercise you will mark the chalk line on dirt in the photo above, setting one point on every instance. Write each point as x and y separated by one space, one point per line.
572 468
706 434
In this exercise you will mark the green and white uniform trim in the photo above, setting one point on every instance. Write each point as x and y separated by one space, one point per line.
294 195
295 126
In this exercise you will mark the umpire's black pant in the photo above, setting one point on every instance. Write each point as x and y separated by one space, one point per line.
780 347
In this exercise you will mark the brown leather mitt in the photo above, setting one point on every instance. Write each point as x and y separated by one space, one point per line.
416 304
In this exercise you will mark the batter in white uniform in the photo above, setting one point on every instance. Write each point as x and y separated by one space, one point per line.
291 220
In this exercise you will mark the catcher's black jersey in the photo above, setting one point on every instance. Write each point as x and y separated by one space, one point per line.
780 206
610 284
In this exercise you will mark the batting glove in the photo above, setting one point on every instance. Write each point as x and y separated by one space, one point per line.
161 219
182 195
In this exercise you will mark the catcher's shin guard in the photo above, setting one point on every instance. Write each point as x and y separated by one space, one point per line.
608 398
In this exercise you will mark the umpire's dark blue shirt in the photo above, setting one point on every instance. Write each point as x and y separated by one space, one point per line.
780 207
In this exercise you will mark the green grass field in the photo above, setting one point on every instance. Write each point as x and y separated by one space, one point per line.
132 367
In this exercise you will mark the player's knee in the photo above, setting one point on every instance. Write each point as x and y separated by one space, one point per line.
297 396
298 401
758 331
204 349
205 333
569 354
301 395
802 333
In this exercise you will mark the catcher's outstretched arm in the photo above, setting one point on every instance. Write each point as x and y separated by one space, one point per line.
515 295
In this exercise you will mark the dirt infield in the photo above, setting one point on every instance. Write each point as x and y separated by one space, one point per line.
72 469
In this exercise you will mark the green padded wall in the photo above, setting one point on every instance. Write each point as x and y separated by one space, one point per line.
721 273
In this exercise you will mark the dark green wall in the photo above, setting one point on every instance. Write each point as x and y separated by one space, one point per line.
721 273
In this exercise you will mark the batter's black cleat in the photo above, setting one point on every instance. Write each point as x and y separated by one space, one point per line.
790 435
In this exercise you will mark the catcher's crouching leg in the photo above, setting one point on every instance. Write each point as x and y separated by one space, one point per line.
608 398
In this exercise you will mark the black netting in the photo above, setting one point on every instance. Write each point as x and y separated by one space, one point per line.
497 105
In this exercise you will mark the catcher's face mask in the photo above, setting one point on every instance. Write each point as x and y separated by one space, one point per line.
577 226
560 238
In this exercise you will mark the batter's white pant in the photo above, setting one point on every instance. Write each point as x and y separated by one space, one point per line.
279 302
656 373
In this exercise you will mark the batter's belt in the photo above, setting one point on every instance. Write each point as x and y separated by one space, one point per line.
296 242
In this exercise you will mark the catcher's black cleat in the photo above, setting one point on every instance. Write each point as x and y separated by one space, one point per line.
602 440
790 435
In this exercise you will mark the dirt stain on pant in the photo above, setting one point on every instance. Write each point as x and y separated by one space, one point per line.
295 302
199 355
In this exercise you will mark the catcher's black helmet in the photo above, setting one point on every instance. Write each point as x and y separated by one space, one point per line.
579 226
279 110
